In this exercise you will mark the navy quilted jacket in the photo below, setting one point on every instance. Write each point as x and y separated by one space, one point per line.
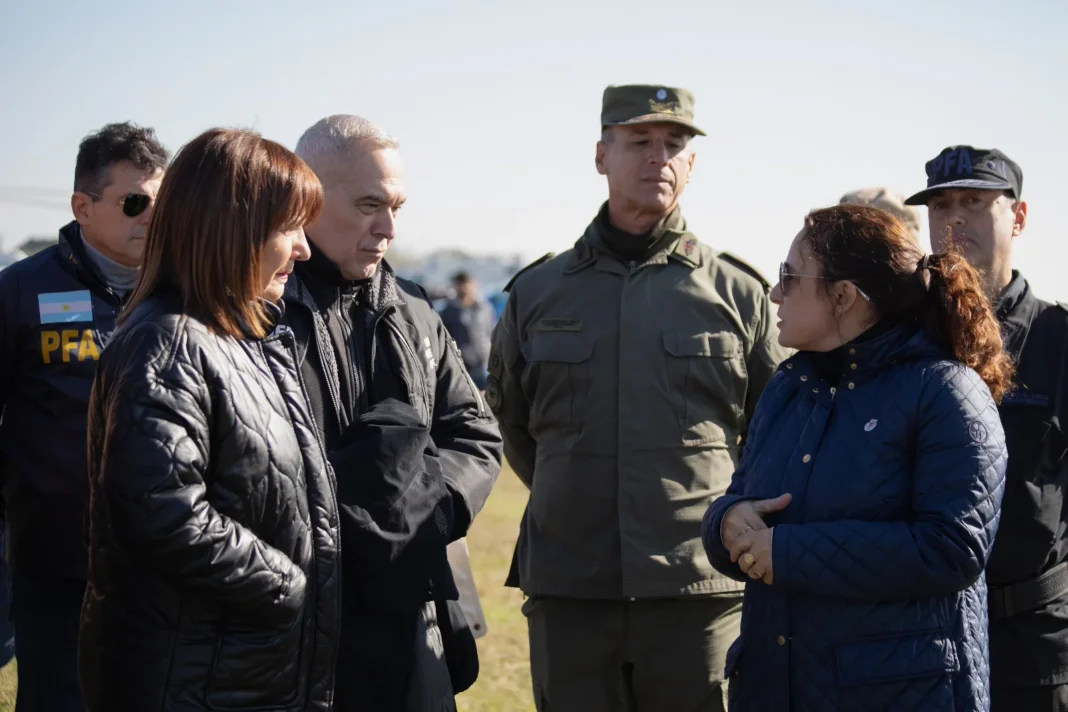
897 474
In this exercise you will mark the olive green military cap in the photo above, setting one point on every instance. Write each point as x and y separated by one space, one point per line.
647 104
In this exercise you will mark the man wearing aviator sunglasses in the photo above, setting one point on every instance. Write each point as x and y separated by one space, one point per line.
57 312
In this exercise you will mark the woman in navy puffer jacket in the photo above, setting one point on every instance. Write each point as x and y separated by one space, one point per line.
865 505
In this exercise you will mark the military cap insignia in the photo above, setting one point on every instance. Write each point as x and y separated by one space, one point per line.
661 94
661 107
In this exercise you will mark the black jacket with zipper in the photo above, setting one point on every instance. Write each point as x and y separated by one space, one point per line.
214 579
416 452
1030 648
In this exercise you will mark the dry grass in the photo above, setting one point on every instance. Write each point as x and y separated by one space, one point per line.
504 679
504 682
8 687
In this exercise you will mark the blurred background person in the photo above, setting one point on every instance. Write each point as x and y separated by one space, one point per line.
57 313
214 577
888 200
470 318
864 509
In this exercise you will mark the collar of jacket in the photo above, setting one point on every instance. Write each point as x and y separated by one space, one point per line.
906 341
382 290
321 273
168 297
1015 309
72 250
275 311
676 243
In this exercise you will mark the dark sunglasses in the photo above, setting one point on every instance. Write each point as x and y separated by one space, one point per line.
133 204
786 277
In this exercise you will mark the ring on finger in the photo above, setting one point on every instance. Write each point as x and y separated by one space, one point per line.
749 559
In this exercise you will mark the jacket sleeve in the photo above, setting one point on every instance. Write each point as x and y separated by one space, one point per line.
764 358
465 434
712 524
505 394
152 466
8 305
394 505
7 364
957 485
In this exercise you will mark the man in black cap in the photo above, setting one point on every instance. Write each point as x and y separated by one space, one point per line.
973 198
624 373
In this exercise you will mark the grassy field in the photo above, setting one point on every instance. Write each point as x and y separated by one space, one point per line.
504 682
504 678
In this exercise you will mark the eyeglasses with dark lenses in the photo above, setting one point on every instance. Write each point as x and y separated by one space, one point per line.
786 277
133 204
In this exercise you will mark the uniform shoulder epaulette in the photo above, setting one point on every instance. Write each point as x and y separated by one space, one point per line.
544 258
745 267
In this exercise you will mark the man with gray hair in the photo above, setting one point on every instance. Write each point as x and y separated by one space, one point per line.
414 448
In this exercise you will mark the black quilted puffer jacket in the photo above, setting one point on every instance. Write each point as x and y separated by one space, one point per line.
214 578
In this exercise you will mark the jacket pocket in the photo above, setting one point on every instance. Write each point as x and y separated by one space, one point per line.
706 377
256 669
896 658
558 372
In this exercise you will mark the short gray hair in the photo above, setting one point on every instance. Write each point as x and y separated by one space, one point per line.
336 136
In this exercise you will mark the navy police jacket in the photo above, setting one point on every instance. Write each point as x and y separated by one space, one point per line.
897 473
56 316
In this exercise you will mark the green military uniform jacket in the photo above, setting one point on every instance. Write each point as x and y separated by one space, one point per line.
624 393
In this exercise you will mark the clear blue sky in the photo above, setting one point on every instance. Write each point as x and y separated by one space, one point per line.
496 103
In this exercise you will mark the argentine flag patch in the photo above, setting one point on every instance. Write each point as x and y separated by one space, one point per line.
65 307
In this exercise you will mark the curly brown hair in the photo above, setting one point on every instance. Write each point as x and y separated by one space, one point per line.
876 251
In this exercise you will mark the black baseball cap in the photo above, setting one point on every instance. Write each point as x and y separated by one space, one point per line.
968 167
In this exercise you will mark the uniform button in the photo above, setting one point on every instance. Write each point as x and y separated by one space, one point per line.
804 378
852 352
852 385
815 390
806 458
782 640
789 365
853 366
833 390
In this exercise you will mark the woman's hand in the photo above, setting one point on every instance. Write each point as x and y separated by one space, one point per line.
752 552
748 516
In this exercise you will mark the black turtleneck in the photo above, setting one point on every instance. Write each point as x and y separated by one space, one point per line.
637 248
831 365
338 300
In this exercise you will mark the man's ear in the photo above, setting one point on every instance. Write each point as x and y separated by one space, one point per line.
1020 219
602 149
81 205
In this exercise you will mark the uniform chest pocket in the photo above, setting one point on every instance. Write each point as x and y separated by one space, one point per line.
706 378
557 373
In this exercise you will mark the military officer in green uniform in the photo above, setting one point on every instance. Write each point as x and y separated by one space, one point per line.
624 373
